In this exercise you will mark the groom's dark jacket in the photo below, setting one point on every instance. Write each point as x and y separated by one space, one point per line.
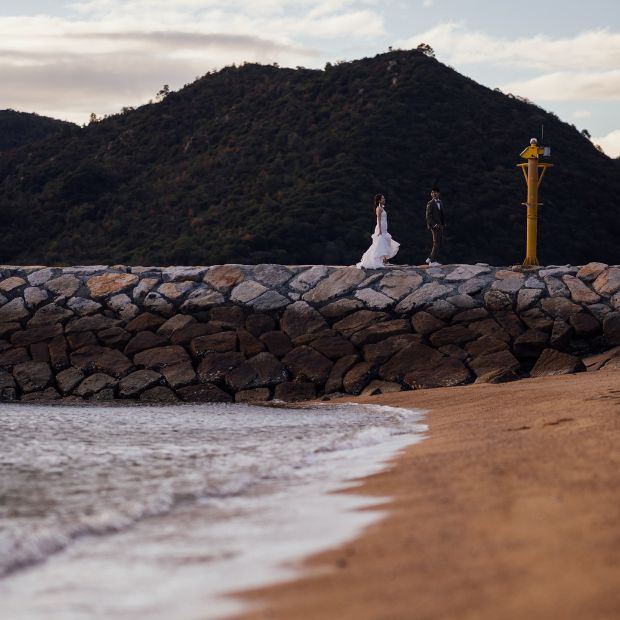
434 214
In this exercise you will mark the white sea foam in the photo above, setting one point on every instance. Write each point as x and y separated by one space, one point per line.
144 512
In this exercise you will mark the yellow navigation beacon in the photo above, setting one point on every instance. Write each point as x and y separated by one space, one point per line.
533 171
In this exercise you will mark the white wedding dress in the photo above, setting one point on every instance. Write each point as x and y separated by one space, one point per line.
382 245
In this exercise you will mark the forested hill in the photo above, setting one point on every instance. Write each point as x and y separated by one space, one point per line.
20 128
262 164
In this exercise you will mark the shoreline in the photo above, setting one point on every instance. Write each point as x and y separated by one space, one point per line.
507 509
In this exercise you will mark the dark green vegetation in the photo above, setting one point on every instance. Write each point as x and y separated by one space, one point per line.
261 164
20 128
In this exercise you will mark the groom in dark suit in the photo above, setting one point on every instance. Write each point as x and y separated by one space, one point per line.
435 222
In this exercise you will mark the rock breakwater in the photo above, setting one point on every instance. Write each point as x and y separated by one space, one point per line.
252 333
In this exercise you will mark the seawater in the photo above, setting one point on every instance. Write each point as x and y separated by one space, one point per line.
160 513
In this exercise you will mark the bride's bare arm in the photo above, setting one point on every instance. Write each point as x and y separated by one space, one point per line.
378 212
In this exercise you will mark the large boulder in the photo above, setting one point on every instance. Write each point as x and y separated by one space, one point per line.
110 284
263 370
338 283
359 377
32 376
611 328
414 356
552 362
135 383
94 358
159 357
300 319
306 364
446 372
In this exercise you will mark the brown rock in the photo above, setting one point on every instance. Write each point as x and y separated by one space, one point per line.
300 319
277 342
420 298
81 339
94 358
585 325
338 283
537 319
530 344
456 334
442 310
306 364
263 370
468 316
527 297
39 352
175 290
215 366
32 376
135 383
50 315
413 357
12 356
204 393
497 300
198 301
359 377
552 362
425 323
398 284
36 334
145 321
381 387
174 324
228 317
13 311
560 334
158 394
332 345
338 371
451 350
607 283
508 281
592 362
340 307
580 293
510 322
611 329
46 395
591 271
143 341
381 352
490 327
380 331
68 379
185 336
358 321
248 344
446 372
485 345
179 375
256 395
223 277
65 285
560 307
158 358
6 329
258 324
59 354
215 343
502 361
110 284
114 337
11 284
295 391
91 324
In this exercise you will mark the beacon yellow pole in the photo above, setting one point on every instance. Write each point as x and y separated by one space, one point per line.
531 173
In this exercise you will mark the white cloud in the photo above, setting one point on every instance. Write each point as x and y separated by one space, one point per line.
582 114
567 86
454 43
610 143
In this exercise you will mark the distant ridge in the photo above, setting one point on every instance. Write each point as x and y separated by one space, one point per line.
260 164
20 128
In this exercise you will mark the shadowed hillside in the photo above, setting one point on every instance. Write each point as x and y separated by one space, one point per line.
20 128
261 164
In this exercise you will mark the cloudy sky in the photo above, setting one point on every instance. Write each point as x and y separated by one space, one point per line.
68 58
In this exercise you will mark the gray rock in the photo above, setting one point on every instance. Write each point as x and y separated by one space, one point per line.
559 271
32 376
338 283
247 291
177 274
263 370
300 318
561 334
308 278
556 287
534 282
65 285
11 285
398 284
83 306
560 307
94 384
121 304
144 287
442 309
271 300
373 299
13 311
495 300
340 307
508 281
552 362
50 315
202 299
154 302
600 310
3 299
422 297
176 290
272 276
34 296
465 302
473 286
527 297
466 272
40 277
135 383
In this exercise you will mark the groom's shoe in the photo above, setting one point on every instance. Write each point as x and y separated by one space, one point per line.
434 264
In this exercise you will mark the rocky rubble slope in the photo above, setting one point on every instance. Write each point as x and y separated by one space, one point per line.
253 333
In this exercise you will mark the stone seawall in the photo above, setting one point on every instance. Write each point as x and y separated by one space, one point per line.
253 333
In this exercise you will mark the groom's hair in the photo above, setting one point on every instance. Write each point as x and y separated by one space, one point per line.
377 199
435 189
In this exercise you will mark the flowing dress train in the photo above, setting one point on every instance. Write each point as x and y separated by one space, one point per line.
382 245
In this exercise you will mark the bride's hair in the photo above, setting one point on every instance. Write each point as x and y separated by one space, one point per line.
377 199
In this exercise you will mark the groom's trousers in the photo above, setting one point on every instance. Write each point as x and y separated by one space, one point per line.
437 241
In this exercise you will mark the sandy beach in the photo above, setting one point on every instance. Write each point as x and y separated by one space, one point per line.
509 510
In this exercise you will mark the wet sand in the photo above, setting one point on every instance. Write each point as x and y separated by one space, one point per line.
509 510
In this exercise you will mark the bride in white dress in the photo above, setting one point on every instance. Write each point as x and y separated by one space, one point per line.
383 246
